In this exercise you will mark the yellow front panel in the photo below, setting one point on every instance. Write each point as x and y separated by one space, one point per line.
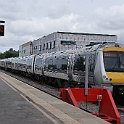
116 76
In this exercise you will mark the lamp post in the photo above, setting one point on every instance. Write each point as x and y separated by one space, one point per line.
2 28
86 74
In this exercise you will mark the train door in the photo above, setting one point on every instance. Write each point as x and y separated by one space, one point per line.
38 65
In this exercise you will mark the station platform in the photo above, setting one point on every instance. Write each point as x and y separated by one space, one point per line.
24 104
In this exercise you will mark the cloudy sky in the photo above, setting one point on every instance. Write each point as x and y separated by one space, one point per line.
27 20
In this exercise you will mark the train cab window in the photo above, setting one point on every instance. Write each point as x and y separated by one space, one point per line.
79 63
114 61
121 56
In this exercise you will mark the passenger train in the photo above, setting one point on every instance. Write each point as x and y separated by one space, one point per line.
67 68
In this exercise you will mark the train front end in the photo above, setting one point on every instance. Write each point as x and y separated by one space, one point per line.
113 59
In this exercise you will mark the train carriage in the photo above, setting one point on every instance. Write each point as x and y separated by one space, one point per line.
67 68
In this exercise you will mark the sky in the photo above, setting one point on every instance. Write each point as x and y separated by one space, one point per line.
28 20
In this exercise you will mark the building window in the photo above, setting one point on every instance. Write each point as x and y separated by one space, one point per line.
44 46
64 42
40 47
50 45
35 47
54 43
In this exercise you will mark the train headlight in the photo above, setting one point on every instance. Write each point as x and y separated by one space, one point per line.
110 79
105 78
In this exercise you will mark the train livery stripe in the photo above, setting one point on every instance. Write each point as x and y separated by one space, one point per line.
113 49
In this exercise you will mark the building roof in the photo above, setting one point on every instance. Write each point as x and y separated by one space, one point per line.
26 44
85 33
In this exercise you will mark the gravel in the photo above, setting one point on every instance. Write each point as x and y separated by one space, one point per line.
89 106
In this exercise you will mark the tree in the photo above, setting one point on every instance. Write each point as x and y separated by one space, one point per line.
10 53
2 56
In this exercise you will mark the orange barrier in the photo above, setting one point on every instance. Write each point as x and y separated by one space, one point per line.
107 111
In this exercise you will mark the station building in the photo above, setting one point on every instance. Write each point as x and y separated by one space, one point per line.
61 41
26 49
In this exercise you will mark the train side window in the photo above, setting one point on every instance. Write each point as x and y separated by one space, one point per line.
54 63
58 62
38 62
79 63
46 63
49 63
64 63
61 63
29 61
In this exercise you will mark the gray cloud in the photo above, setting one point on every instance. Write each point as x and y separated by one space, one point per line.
38 27
30 19
111 20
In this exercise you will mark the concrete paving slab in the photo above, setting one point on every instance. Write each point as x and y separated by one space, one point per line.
14 109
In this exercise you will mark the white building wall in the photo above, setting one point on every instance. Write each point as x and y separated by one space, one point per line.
52 42
25 49
81 39
36 46
20 51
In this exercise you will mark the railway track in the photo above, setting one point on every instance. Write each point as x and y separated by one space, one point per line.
90 107
43 87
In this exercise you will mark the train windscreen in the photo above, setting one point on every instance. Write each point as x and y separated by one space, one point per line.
114 61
